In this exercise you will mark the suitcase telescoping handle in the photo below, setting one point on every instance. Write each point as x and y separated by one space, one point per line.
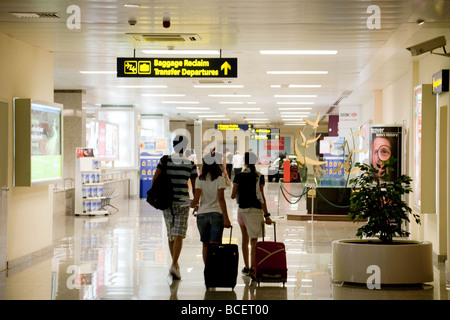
231 232
274 231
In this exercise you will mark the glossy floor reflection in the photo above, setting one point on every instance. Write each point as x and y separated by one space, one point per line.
125 256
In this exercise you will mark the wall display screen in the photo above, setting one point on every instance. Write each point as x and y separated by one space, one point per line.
38 142
46 155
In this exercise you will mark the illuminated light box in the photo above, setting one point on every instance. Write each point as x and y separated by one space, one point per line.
103 137
38 140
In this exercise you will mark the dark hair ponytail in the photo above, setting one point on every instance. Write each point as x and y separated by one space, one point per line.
211 167
250 160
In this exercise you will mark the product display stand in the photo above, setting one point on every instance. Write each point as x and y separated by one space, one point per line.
92 192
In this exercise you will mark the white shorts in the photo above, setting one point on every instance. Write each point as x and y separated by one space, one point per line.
253 220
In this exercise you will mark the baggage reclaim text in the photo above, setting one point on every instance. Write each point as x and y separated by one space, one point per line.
161 68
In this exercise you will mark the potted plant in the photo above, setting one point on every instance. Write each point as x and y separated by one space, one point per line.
398 261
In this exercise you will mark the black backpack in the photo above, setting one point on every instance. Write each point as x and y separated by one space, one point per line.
160 195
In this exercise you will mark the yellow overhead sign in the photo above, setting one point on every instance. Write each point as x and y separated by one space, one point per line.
177 67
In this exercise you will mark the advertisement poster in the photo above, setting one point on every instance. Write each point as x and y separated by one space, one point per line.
333 153
46 155
386 143
417 145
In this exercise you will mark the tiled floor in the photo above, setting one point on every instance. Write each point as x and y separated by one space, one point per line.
125 256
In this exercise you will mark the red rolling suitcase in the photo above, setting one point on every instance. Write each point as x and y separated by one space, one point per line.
270 261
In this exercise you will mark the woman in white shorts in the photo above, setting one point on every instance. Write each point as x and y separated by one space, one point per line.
248 189
212 214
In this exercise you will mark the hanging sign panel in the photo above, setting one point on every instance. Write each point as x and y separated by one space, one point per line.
177 67
440 81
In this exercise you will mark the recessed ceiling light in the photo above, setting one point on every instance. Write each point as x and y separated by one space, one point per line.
295 95
295 112
182 52
244 108
230 95
295 102
98 72
198 111
132 5
297 72
249 112
294 108
211 116
143 87
181 102
25 14
294 119
192 108
304 86
295 124
210 86
163 95
300 52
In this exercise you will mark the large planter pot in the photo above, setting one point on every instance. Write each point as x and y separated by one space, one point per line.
403 262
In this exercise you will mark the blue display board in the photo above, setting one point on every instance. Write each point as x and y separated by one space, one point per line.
148 165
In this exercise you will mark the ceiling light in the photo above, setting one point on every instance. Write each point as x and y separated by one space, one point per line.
294 108
244 108
217 119
295 102
293 116
230 95
304 86
297 72
295 119
163 95
301 52
132 5
25 14
181 102
211 116
295 95
197 112
249 112
295 124
210 86
98 72
143 87
296 112
192 108
182 52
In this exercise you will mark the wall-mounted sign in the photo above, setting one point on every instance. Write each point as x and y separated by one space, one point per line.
440 81
177 67
233 127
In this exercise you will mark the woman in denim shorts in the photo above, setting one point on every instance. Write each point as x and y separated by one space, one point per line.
212 214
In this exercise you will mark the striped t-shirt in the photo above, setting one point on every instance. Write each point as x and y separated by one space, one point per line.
180 170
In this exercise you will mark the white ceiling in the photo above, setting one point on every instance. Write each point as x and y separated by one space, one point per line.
366 59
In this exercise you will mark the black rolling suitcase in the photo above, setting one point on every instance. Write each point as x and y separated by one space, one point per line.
221 267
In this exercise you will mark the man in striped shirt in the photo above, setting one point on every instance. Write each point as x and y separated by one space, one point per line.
179 170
